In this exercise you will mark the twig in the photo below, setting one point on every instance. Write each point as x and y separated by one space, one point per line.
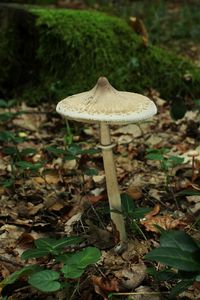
139 293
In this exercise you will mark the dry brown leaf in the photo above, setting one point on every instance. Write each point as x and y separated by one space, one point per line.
165 222
135 192
30 121
152 213
94 199
132 276
25 240
106 284
53 178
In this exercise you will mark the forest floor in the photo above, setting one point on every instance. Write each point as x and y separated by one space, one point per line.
51 190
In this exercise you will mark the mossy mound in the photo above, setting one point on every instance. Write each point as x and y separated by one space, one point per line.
55 53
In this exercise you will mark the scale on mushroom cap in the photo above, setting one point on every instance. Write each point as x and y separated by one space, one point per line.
106 105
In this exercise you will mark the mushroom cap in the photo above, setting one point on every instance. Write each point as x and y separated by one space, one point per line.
103 103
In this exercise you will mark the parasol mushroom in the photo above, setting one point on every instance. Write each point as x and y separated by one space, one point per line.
105 105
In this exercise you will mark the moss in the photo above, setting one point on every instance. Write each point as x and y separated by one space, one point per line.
71 49
85 45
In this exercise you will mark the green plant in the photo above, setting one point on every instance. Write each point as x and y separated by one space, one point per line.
20 166
132 214
65 264
166 160
181 254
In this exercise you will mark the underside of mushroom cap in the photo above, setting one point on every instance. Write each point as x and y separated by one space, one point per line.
104 103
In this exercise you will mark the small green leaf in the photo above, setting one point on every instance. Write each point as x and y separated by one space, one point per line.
3 103
87 256
45 281
34 253
8 183
28 165
74 149
154 156
140 212
53 244
164 275
55 151
28 151
189 192
128 205
91 172
10 150
91 151
175 258
5 117
19 273
72 271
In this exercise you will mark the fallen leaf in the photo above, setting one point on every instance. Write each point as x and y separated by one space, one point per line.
165 222
131 277
106 284
135 192
100 238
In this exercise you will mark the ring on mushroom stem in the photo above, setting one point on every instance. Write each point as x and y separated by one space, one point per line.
106 147
106 105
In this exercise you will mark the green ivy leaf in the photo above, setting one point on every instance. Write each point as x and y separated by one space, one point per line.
45 281
28 151
87 256
19 273
155 156
176 258
179 240
34 253
128 205
55 244
91 172
55 151
28 165
72 271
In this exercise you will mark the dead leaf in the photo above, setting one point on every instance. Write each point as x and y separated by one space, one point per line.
106 284
100 238
131 277
196 203
166 222
135 192
154 212
31 120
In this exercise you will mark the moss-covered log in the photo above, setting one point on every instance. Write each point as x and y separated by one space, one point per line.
51 53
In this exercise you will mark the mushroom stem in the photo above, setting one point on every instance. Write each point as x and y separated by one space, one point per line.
111 180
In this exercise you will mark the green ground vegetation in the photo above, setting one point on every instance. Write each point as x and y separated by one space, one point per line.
51 53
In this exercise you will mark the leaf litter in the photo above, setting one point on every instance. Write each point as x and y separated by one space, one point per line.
59 199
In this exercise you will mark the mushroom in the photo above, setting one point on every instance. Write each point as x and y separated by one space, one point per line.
105 105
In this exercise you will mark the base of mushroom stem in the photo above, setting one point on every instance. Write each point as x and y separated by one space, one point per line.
121 247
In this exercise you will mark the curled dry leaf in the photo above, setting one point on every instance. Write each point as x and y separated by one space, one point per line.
104 285
166 222
132 276
135 192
